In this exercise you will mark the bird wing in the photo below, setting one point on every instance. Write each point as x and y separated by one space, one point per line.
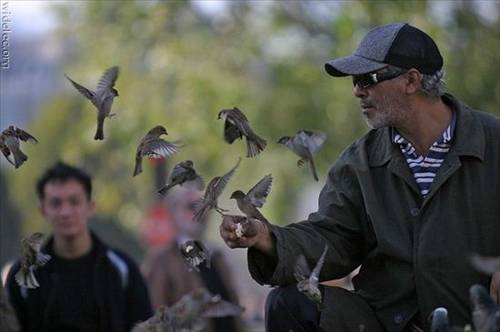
89 94
258 194
239 119
158 148
25 136
487 265
8 155
108 79
231 132
313 140
201 207
302 270
319 264
221 308
219 183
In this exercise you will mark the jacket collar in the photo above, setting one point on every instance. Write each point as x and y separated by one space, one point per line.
97 245
468 138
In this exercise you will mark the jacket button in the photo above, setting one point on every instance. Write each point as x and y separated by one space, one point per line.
414 211
398 319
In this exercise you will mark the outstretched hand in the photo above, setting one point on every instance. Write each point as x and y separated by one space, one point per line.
242 232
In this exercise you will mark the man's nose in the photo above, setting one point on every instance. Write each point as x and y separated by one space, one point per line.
359 92
66 209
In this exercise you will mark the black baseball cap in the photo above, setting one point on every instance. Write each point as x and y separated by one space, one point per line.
397 44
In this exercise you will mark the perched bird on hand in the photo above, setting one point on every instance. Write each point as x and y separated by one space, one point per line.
439 320
101 98
236 126
152 146
194 253
305 143
182 172
255 198
192 310
308 281
212 192
485 314
486 265
9 144
32 258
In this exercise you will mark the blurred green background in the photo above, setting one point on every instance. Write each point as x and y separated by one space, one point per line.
183 61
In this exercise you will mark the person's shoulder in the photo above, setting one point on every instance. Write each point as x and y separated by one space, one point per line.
357 154
119 257
489 121
13 269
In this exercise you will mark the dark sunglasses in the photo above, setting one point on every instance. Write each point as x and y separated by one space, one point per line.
367 80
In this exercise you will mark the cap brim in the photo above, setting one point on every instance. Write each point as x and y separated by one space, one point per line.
352 65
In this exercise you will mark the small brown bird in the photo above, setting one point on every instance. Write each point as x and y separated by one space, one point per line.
236 126
304 144
182 172
485 313
152 146
102 98
486 265
308 282
189 314
9 144
212 192
194 253
255 198
32 258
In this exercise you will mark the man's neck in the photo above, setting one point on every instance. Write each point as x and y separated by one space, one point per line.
73 247
425 127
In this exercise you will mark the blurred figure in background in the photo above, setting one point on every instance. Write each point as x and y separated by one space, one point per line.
86 286
167 274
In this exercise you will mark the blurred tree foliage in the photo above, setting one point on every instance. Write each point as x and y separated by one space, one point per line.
180 65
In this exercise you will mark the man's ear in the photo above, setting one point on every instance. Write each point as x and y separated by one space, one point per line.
92 207
41 208
413 81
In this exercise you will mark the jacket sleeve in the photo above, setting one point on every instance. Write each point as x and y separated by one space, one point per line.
340 222
138 307
15 297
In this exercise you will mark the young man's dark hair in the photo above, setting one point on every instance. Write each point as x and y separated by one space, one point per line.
63 172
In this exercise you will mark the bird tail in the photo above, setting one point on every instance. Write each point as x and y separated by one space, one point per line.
255 145
19 158
99 134
26 278
138 166
313 169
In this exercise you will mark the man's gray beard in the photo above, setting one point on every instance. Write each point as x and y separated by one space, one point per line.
372 125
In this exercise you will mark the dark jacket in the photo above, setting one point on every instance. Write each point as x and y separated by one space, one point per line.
413 251
120 292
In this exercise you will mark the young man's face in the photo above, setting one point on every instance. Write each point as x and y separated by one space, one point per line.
66 207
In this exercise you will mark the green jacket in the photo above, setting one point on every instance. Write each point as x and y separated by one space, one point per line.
414 252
